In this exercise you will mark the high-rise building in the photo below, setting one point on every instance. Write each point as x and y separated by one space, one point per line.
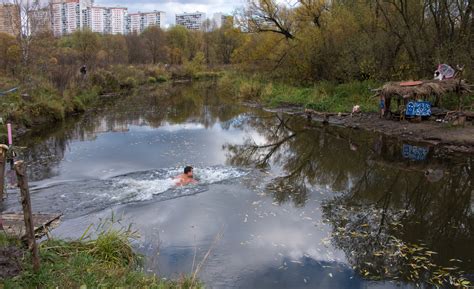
192 21
106 20
138 22
39 21
96 18
10 20
134 23
116 20
155 18
68 16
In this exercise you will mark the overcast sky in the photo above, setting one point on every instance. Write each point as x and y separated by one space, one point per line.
171 7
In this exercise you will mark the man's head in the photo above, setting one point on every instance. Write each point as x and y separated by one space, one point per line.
188 171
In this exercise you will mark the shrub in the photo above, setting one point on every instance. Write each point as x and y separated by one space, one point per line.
161 78
250 90
129 83
106 81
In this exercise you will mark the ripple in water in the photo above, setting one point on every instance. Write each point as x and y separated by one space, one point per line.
141 186
76 198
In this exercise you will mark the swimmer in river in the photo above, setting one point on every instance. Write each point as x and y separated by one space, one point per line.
186 178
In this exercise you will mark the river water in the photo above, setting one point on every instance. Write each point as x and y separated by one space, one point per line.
281 202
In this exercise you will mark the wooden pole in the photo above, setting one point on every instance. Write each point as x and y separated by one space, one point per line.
3 161
20 169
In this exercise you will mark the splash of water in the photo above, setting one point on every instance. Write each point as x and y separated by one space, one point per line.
141 186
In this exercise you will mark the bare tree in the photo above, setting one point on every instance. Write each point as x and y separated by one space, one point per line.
313 10
19 16
269 16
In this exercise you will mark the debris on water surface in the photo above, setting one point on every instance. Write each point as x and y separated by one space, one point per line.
296 262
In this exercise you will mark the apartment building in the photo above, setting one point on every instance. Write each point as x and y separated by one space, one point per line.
155 18
134 23
106 20
138 22
68 16
10 20
39 21
95 18
192 21
116 20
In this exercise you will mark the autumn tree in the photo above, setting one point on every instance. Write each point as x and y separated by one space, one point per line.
10 53
86 43
178 41
154 40
116 49
136 48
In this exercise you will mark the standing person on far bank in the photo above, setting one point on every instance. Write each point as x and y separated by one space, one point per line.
83 71
382 106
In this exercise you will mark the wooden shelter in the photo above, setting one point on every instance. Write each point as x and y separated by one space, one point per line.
421 90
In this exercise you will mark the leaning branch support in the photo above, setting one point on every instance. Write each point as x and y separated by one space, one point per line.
20 169
3 160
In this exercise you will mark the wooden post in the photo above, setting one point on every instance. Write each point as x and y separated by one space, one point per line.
20 169
3 161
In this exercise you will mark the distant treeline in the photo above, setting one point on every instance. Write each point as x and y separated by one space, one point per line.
307 41
60 59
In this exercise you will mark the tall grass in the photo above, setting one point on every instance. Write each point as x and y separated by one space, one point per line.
101 259
321 96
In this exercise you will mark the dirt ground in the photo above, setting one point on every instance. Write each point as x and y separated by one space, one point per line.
446 136
450 137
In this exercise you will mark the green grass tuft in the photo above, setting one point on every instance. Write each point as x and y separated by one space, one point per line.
107 261
322 96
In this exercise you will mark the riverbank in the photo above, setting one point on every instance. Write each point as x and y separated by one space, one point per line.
108 261
443 135
38 101
333 103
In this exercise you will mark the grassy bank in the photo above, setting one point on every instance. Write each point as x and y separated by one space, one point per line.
108 261
43 100
39 100
321 96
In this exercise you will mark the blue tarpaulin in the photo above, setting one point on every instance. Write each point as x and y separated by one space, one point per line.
418 108
415 153
8 91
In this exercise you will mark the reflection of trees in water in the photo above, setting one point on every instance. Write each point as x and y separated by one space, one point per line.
383 237
44 148
437 213
175 104
388 202
308 155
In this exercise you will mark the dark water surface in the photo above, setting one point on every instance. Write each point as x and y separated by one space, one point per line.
282 202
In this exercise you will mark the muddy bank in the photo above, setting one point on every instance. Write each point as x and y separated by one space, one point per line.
446 136
452 138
